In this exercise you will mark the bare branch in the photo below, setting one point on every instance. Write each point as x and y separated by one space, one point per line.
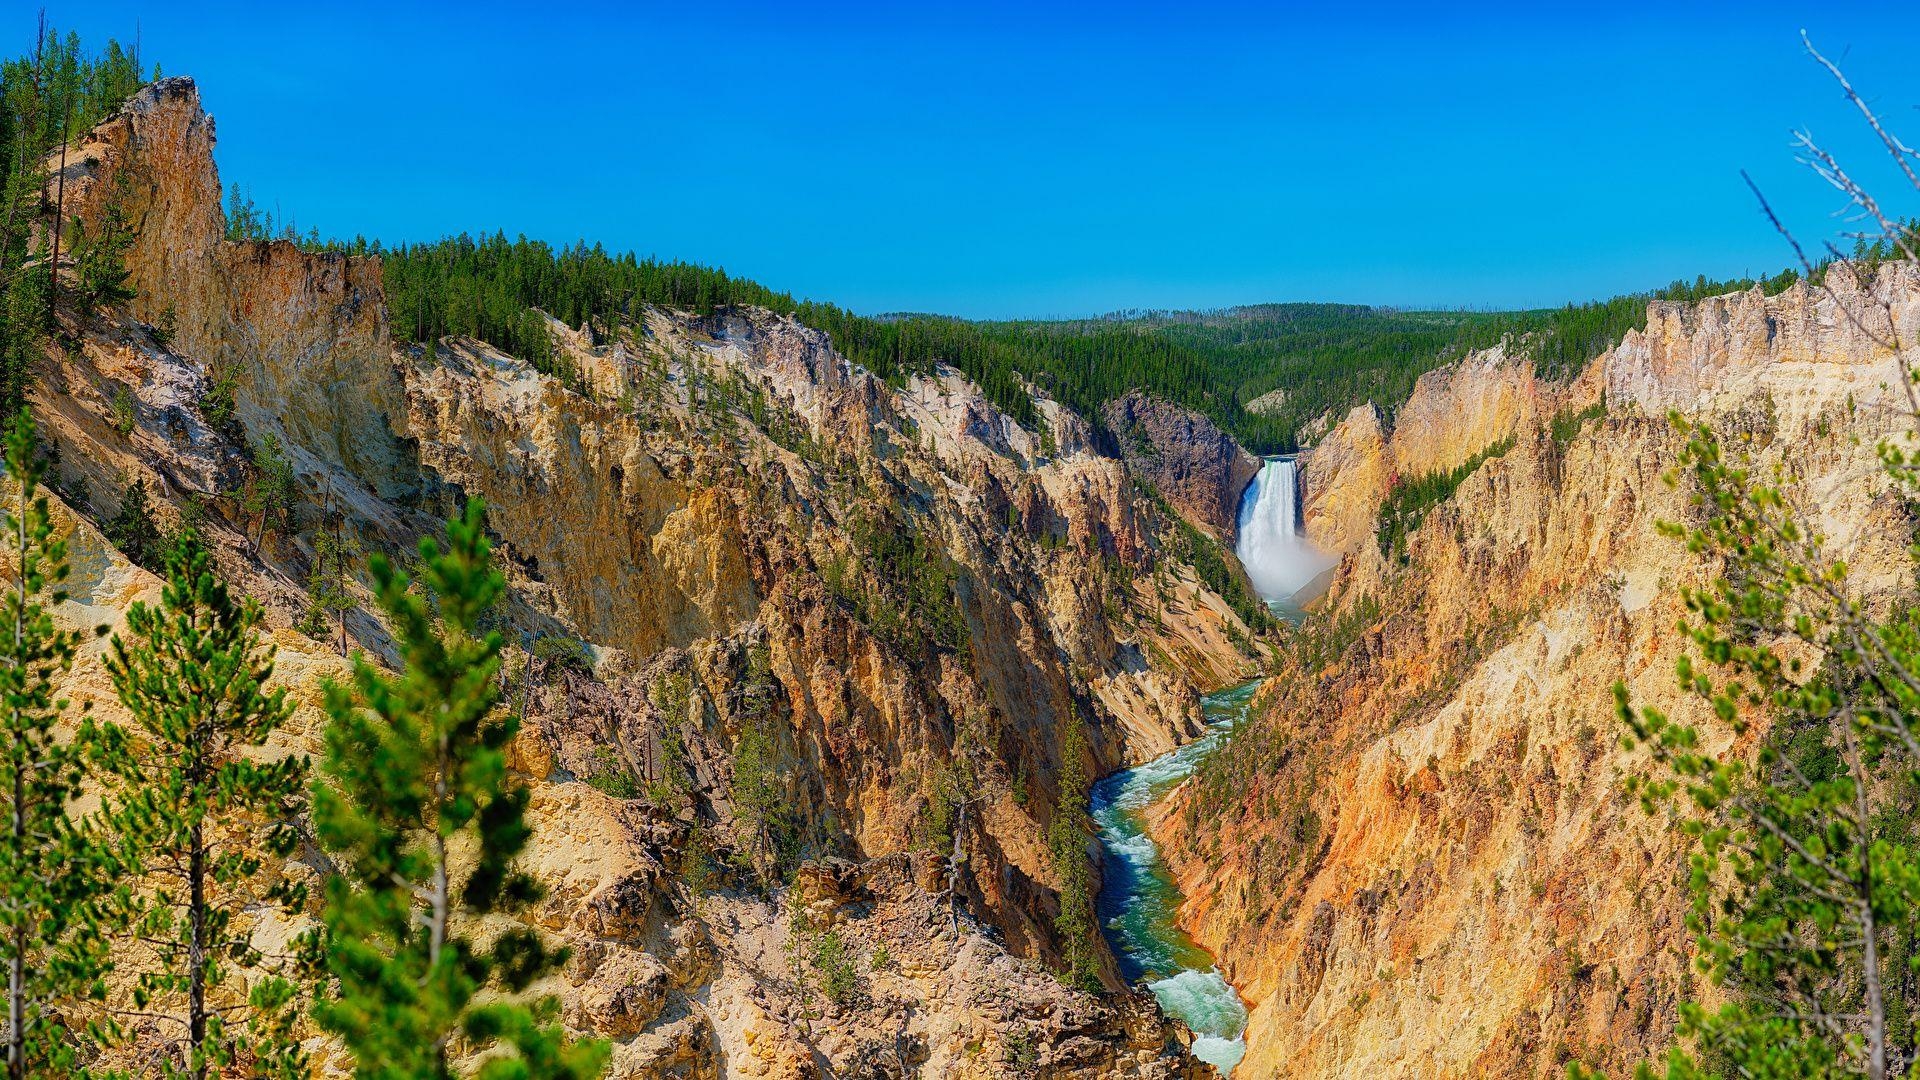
1900 151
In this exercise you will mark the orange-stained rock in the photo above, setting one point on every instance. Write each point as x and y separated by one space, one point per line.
1429 866
719 568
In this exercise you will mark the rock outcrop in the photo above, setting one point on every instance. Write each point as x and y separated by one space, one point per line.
1200 469
1344 478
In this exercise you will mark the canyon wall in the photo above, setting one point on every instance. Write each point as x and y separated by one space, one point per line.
1200 469
1419 858
744 536
1416 860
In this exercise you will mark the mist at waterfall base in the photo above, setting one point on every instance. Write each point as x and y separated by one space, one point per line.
1139 901
1279 560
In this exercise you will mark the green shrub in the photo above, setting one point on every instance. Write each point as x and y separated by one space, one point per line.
1567 424
134 531
218 408
559 651
126 415
833 965
1407 504
608 772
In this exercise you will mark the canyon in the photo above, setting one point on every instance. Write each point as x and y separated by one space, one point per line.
1409 851
902 592
1419 858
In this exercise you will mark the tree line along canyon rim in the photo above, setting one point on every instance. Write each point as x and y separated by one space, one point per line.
488 659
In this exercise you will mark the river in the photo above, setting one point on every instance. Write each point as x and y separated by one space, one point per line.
1139 903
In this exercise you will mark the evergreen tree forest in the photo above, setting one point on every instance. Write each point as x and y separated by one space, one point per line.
51 93
1320 357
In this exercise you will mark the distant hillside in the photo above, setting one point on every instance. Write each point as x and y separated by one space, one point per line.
1324 357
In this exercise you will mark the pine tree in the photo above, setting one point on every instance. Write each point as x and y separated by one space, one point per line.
206 811
268 494
1805 874
1076 922
334 554
134 531
56 872
99 253
23 284
416 765
762 810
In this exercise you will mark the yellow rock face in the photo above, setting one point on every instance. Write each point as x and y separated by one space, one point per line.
725 569
1343 479
1434 870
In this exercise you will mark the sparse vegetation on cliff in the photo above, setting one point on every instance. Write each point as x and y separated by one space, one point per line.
1186 544
1565 425
900 582
1409 500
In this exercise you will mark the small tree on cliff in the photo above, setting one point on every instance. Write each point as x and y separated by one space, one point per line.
133 530
329 581
99 252
1076 922
56 873
416 768
268 494
205 813
1805 880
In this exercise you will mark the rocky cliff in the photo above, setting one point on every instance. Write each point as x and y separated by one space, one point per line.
1200 469
1418 859
742 535
1455 411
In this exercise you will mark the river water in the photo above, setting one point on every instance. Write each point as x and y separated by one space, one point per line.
1139 902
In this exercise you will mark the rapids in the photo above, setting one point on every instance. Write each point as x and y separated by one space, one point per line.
1139 901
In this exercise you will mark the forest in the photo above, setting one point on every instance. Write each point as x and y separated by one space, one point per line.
1262 372
47 95
1319 358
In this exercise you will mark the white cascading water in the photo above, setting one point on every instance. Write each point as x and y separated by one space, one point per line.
1279 560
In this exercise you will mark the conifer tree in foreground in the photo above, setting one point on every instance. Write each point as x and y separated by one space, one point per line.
415 768
56 874
206 814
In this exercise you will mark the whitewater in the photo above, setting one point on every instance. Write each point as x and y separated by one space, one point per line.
1139 902
1272 545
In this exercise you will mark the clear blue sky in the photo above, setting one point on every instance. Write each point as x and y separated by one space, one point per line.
1012 160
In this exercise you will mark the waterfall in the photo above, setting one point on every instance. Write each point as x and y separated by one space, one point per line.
1279 560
